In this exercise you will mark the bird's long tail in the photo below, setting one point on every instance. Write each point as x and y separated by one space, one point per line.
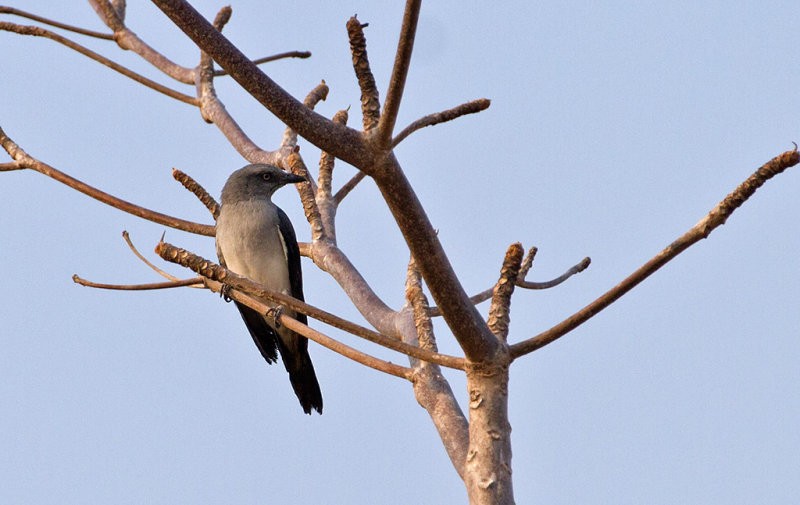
305 384
301 371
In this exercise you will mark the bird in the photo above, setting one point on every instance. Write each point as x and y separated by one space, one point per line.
255 239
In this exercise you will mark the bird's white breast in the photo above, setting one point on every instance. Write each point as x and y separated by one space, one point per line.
249 238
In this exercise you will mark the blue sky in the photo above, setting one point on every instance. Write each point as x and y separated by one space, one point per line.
613 129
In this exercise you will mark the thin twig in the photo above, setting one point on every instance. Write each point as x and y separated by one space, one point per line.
218 273
522 283
441 117
38 31
197 190
527 263
10 167
348 187
144 260
24 159
56 24
274 57
701 230
138 287
128 40
397 82
580 267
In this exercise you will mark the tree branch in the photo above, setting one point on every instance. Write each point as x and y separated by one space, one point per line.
27 161
701 230
327 161
522 283
402 63
349 145
218 273
419 304
128 40
306 190
138 287
320 338
370 101
344 143
197 190
348 187
441 117
500 309
274 57
144 260
55 24
316 95
37 31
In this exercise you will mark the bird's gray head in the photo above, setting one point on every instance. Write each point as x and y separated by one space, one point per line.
255 182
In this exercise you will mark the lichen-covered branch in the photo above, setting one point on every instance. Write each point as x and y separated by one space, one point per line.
500 309
370 101
197 190
295 164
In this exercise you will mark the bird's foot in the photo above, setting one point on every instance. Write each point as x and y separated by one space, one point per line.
275 313
225 293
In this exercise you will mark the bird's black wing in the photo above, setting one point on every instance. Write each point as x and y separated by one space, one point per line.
293 259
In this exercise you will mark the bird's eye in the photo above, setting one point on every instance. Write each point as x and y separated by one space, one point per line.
266 176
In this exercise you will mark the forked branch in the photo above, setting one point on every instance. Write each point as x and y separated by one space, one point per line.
522 283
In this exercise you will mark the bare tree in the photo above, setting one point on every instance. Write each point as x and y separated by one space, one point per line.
477 442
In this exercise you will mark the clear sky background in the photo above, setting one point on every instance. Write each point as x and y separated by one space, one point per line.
614 127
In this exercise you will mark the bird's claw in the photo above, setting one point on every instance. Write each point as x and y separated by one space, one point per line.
225 293
275 313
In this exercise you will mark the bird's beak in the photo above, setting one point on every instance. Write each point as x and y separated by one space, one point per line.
290 178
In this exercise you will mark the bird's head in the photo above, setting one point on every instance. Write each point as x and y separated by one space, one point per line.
256 181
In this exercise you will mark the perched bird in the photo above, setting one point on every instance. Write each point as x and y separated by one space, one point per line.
255 239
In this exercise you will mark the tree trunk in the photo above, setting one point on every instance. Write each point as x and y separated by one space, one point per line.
488 465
